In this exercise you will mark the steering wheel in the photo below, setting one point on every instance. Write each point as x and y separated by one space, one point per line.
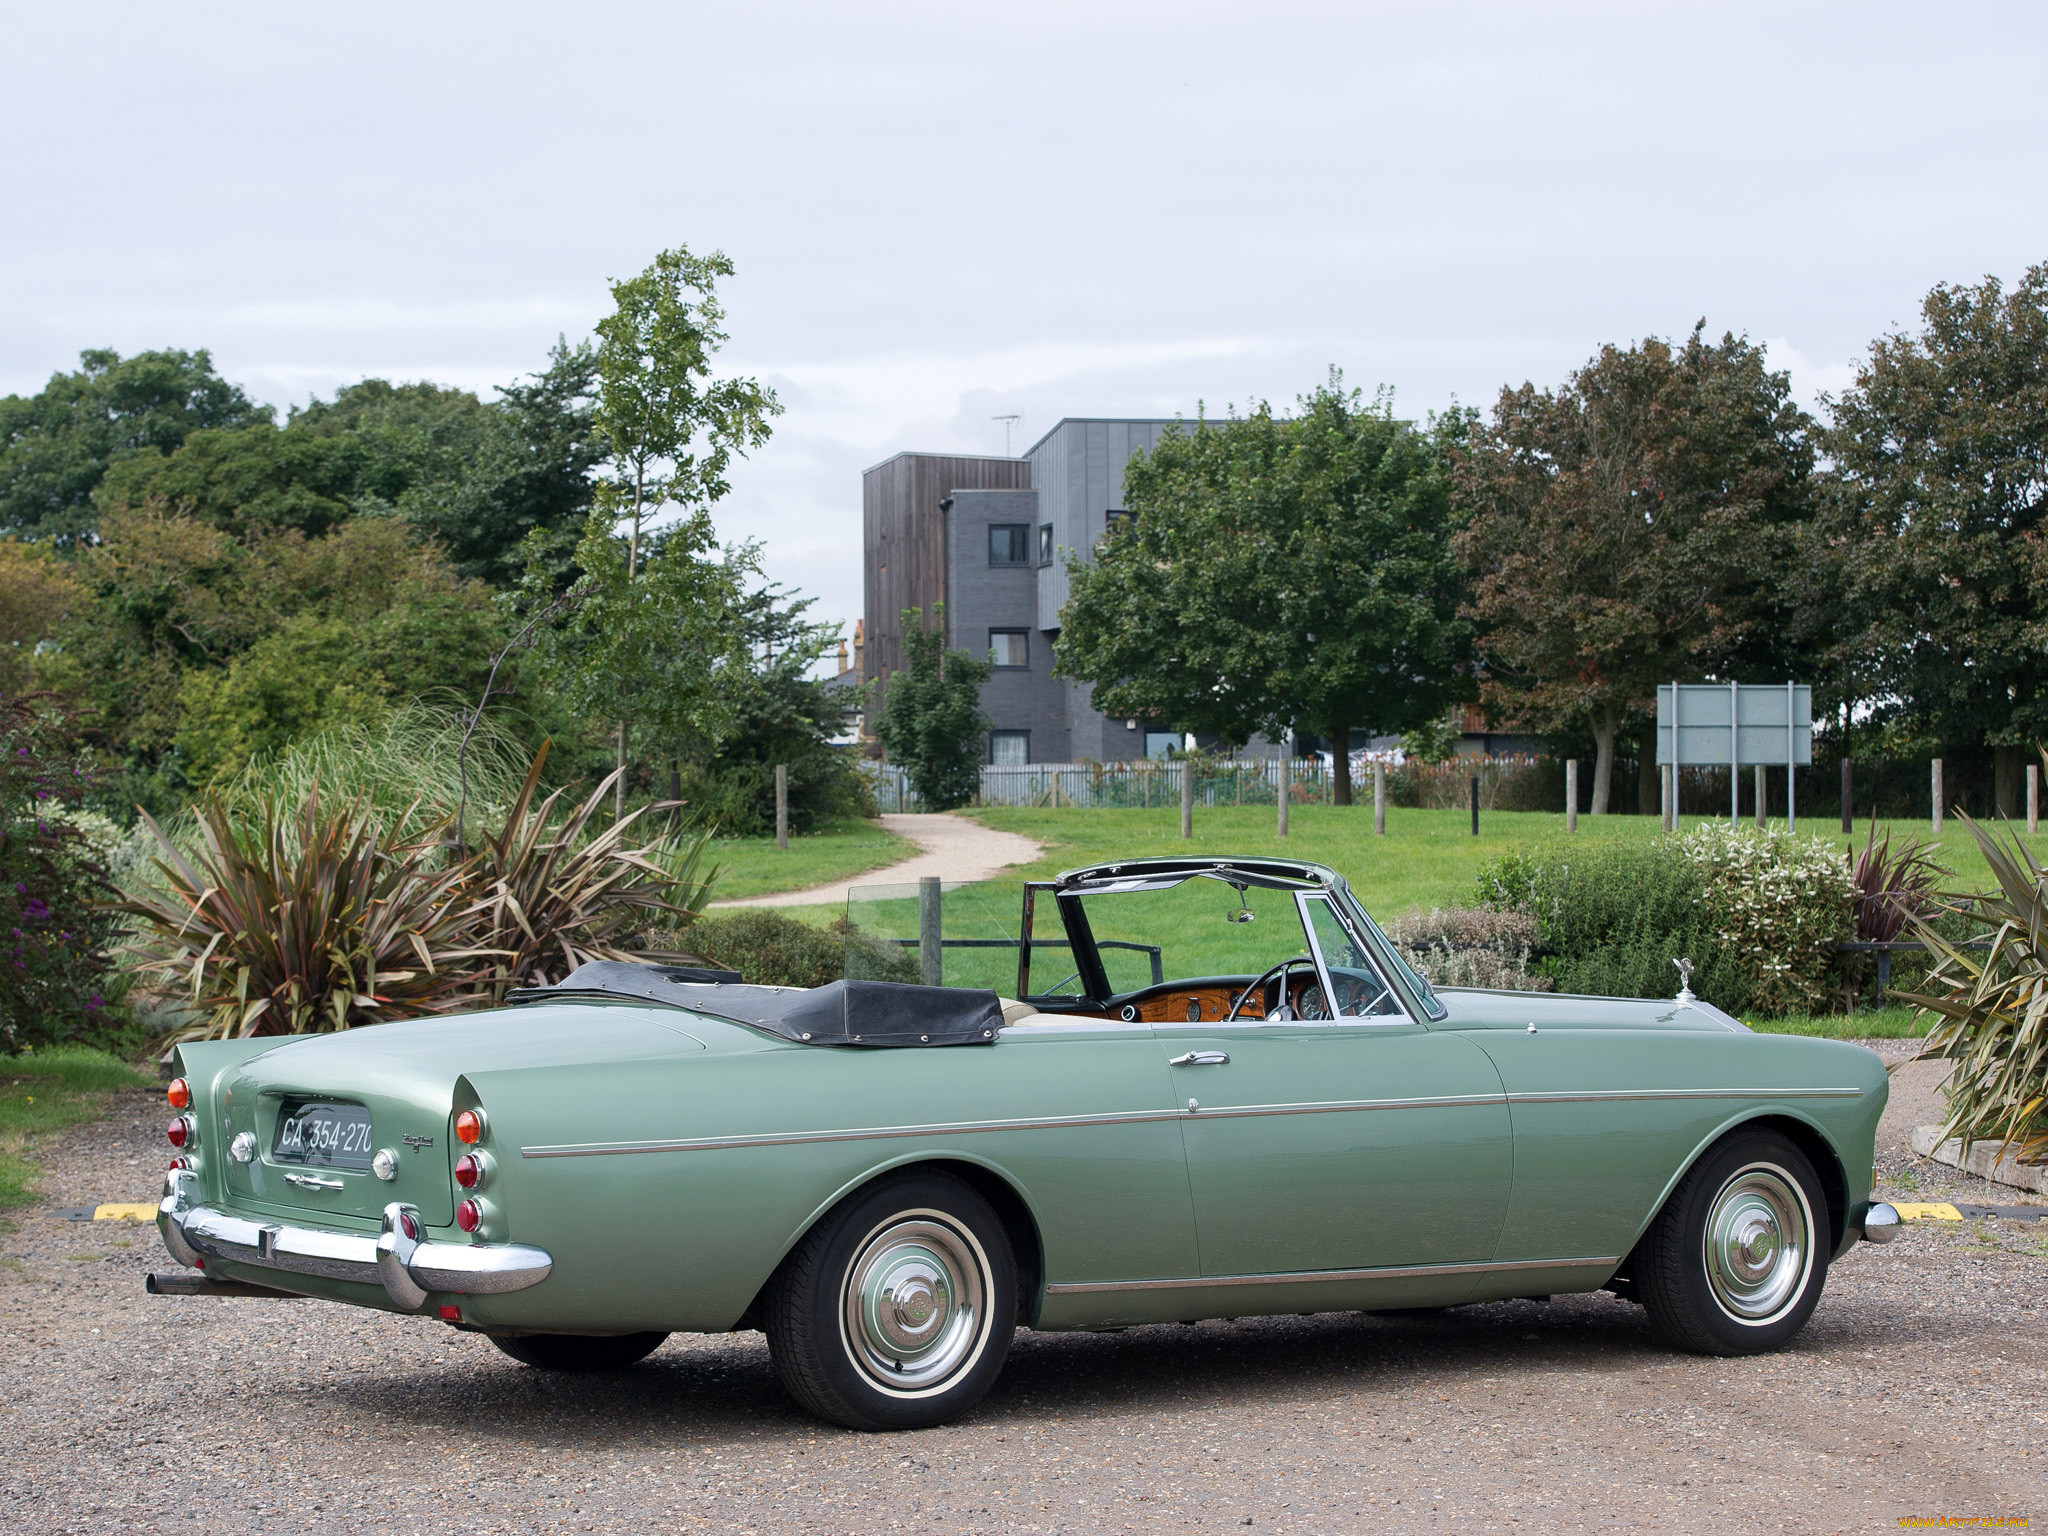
1282 1012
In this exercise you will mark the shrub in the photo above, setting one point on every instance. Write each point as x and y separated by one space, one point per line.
769 949
329 915
55 937
1778 903
1991 1006
1471 947
1611 919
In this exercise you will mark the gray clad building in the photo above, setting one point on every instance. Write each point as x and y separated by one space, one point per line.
988 538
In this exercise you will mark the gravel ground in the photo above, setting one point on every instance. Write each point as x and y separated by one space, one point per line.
1920 1388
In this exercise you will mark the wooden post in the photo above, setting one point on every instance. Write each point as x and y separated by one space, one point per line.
1667 784
1848 825
1937 796
1187 801
1759 797
2033 798
1571 794
1145 784
782 806
1379 799
1475 805
931 955
1284 766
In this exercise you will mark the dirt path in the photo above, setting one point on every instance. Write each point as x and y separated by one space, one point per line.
1920 1388
952 848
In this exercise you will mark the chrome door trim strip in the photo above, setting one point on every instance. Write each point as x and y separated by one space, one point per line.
877 1133
976 1127
1317 1276
1608 1094
1142 1116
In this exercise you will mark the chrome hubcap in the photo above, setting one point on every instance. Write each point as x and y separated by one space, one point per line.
914 1311
1759 1244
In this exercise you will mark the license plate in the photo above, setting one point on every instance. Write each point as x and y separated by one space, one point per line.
324 1134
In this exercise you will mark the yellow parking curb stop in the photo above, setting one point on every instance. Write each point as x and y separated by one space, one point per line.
1936 1210
124 1213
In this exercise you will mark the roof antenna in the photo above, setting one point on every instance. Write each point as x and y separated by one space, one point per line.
1008 421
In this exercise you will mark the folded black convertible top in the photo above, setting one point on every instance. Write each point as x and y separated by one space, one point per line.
862 1013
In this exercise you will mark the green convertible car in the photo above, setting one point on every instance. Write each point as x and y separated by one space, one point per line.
1225 1094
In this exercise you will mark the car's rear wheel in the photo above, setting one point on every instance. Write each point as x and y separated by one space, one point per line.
1735 1262
897 1308
577 1352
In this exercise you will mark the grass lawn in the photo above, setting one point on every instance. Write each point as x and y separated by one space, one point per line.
753 866
1877 1024
1427 859
49 1091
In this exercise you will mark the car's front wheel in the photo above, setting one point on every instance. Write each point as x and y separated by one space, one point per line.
896 1310
1735 1261
576 1352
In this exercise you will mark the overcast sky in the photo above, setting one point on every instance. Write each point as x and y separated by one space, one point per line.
946 213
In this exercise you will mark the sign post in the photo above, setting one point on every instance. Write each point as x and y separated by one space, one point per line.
1708 724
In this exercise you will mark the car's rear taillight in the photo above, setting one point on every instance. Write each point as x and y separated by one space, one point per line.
180 1165
409 1225
472 1169
179 1093
469 1127
183 1132
469 1215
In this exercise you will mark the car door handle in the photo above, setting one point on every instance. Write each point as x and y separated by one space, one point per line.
1202 1059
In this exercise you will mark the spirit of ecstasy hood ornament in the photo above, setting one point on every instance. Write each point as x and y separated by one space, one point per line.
1684 980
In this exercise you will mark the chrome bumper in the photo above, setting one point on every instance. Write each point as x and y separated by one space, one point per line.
1881 1223
408 1269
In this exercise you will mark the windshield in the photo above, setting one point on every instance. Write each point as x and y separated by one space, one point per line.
1417 982
1200 927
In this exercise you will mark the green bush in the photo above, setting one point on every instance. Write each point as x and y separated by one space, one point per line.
1778 904
771 950
1611 919
768 949
56 974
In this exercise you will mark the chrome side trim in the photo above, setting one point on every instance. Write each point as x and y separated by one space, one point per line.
1331 1276
1624 1094
975 1127
195 1232
1139 1116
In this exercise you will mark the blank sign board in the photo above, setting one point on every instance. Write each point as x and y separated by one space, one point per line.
1773 724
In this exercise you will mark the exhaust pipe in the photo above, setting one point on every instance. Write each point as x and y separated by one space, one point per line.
199 1285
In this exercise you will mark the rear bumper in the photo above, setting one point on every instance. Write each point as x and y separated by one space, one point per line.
409 1270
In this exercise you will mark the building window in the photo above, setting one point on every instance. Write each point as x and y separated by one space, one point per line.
1045 543
1009 543
1161 744
1010 647
1114 521
1009 749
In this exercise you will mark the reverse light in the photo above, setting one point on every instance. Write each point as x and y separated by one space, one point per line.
470 1170
469 1215
179 1093
469 1127
182 1132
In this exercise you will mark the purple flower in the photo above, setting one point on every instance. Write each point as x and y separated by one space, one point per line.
35 907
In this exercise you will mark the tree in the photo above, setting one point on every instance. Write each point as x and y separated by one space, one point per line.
781 714
670 426
55 446
37 594
1277 573
525 464
663 645
1941 454
931 717
1637 526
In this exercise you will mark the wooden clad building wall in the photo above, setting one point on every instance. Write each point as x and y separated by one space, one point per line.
904 538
